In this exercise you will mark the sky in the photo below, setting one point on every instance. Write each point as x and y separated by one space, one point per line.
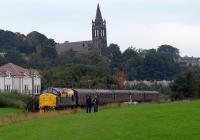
138 23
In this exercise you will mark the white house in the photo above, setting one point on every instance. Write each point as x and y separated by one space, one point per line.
16 78
190 61
163 83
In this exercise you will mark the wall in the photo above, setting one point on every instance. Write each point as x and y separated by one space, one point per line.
18 84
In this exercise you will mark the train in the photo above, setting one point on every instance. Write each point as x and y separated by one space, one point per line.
59 98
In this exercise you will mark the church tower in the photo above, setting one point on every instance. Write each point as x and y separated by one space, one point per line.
99 36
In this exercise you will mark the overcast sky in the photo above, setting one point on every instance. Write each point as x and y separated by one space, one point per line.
138 23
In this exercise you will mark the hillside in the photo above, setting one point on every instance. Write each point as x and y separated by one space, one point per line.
75 69
174 121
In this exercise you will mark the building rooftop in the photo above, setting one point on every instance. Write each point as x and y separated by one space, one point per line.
17 70
74 46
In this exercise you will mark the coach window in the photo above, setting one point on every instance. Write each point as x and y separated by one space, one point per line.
72 97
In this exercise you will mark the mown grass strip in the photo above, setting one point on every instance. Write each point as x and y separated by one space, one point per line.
171 121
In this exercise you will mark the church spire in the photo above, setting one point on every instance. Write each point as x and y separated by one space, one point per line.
99 35
98 15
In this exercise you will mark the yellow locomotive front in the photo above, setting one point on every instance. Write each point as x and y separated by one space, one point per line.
47 101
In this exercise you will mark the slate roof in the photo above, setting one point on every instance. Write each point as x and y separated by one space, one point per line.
74 46
15 70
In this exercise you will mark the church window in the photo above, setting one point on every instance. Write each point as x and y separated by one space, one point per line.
97 33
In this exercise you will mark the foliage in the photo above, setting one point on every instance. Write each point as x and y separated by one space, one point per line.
151 64
16 100
87 69
158 67
169 50
115 58
15 57
120 78
187 84
78 76
131 62
165 91
2 60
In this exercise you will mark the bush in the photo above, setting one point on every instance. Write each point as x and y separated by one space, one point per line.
8 102
17 100
187 84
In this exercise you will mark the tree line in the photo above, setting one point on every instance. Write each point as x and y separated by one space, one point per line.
88 69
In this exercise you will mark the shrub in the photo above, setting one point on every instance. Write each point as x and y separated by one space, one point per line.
17 100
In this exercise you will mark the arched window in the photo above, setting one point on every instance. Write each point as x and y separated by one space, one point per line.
97 33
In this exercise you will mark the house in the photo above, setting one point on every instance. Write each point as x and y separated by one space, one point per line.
190 61
16 78
163 83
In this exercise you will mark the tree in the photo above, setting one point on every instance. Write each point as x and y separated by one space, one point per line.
131 62
2 60
10 41
187 84
49 52
88 57
120 79
35 38
114 58
168 50
15 57
158 66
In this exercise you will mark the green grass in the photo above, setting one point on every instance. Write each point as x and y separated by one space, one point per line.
173 121
6 111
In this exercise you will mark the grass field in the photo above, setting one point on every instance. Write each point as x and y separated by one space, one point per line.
6 111
173 121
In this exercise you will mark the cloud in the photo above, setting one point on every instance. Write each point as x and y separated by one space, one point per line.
183 36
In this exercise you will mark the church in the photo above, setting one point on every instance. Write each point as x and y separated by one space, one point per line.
99 38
